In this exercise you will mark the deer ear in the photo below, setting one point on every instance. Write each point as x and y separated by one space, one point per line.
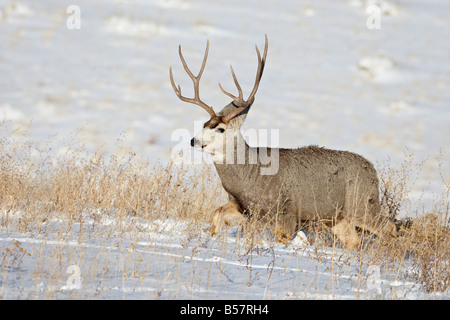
238 120
232 108
242 114
235 121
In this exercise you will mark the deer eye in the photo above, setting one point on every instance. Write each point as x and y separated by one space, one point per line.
221 130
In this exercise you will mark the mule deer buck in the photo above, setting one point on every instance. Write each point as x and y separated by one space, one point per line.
311 183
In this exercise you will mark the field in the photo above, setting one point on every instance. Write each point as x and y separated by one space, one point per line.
96 204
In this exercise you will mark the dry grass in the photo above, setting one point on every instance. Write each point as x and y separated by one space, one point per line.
37 185
422 247
75 182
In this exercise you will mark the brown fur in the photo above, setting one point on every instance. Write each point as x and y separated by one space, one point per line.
312 183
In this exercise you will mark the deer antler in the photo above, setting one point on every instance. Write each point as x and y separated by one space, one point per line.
239 101
196 80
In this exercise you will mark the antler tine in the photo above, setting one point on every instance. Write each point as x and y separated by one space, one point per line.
251 98
240 99
259 73
195 79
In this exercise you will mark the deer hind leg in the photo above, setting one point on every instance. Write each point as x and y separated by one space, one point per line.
382 227
368 216
363 206
346 232
227 215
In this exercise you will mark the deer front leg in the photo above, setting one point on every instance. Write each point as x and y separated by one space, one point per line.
227 215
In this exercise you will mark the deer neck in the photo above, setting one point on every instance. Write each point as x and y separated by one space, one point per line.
233 150
236 165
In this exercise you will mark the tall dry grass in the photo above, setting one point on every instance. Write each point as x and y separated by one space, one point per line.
422 248
40 182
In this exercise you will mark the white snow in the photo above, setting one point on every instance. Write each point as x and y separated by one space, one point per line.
159 261
329 80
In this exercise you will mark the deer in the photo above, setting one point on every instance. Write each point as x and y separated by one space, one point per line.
311 183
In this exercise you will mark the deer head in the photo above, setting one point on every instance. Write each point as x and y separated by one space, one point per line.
229 120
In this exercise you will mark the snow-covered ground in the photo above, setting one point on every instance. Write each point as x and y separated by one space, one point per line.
135 259
330 80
